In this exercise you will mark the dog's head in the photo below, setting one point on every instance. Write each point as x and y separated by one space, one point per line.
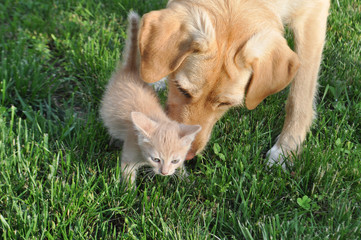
213 62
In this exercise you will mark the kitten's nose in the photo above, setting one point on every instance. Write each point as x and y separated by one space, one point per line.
164 173
190 155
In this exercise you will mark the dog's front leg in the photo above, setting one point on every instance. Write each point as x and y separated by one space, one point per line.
309 31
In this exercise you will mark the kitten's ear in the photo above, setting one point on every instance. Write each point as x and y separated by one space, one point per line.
143 124
188 132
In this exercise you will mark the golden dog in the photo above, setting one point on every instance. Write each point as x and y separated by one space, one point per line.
223 53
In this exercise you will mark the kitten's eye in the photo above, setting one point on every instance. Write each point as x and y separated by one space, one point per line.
157 160
175 161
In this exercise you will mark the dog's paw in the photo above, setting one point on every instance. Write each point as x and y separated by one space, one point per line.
276 156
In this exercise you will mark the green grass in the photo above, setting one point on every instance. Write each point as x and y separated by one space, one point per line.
60 179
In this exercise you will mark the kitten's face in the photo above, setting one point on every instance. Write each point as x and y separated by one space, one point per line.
163 164
164 145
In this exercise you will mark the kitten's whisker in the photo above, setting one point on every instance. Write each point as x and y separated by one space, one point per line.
149 173
173 177
152 175
147 170
179 174
178 177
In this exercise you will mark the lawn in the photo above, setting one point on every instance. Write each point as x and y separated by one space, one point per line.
60 178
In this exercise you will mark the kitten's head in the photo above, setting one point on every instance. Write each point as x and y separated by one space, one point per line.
163 144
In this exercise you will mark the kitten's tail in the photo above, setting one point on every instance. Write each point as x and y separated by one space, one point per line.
131 54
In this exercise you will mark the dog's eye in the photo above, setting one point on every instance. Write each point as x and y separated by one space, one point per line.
224 104
184 92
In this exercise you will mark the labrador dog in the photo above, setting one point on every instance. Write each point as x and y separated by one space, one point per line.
223 53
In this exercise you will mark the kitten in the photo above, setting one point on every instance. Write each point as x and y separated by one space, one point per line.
131 112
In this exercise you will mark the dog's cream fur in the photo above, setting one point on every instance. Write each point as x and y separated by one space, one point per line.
222 53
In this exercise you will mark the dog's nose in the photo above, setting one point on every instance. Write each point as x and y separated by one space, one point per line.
190 155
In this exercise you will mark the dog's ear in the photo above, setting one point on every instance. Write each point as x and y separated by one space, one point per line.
166 38
273 64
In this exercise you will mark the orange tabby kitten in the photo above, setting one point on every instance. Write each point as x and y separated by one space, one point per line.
131 112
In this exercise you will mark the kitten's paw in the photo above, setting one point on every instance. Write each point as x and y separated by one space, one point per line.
128 177
129 183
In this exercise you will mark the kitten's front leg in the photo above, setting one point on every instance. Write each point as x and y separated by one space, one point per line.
129 172
131 160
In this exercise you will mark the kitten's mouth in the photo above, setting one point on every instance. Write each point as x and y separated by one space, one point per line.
165 174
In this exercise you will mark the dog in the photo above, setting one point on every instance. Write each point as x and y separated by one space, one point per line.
223 53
